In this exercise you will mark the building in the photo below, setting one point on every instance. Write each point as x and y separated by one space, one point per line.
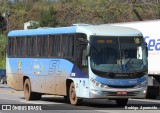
29 23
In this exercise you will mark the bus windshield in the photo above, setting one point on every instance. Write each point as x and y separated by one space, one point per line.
118 54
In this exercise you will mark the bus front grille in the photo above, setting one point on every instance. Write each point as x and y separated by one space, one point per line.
121 86
115 93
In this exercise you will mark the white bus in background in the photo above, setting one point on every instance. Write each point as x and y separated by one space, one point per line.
151 32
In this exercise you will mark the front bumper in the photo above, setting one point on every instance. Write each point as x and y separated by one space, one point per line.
112 93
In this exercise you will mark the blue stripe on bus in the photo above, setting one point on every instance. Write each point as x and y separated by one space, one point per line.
77 73
46 67
120 82
47 31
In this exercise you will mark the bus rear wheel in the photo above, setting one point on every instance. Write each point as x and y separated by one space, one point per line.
122 102
28 94
72 98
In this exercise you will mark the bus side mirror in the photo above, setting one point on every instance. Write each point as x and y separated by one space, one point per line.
83 41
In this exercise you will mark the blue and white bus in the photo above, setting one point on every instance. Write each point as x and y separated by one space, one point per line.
77 62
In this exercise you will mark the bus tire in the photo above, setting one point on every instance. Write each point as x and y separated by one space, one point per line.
65 98
36 96
28 94
152 92
122 102
72 98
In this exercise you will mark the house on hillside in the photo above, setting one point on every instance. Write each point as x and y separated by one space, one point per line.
29 23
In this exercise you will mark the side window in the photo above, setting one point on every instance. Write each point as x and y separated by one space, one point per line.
10 46
38 46
23 46
80 52
52 48
54 45
71 45
58 45
64 46
20 45
28 46
61 45
15 47
42 46
80 47
51 45
33 46
67 46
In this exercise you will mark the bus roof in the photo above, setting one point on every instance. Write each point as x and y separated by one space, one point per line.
109 30
42 31
102 30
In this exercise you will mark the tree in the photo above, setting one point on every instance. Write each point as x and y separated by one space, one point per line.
3 24
48 18
2 50
135 11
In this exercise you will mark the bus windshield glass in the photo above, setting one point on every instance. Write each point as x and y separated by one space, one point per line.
118 54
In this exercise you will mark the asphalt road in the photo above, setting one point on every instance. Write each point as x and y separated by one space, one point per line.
49 103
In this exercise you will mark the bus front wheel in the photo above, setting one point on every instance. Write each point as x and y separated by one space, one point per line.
28 94
72 98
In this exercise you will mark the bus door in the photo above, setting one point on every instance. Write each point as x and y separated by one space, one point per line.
83 75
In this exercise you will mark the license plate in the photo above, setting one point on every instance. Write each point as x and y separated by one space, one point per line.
122 93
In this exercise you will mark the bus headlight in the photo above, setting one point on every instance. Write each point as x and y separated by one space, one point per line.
143 84
98 83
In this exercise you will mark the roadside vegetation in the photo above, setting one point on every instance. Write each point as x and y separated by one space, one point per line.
2 51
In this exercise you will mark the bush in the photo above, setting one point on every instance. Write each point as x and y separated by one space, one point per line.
48 18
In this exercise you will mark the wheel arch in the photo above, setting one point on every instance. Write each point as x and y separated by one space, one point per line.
68 82
24 78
